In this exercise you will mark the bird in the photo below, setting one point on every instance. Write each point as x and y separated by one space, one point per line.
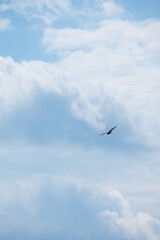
109 132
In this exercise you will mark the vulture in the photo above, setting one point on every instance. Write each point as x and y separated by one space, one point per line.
109 132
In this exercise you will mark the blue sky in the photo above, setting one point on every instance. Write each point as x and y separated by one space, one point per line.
70 70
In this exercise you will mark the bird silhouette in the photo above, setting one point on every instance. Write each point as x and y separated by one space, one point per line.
109 132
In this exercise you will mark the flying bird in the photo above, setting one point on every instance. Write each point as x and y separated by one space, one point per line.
109 132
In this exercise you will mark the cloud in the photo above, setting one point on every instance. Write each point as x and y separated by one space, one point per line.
110 35
123 64
53 10
40 5
4 24
58 207
48 11
112 9
110 74
139 226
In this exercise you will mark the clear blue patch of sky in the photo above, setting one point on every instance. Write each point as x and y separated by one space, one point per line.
139 10
23 40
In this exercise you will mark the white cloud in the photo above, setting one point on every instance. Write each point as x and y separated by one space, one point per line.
67 207
134 226
112 9
126 54
112 35
49 11
45 10
139 226
109 73
4 24
92 177
39 5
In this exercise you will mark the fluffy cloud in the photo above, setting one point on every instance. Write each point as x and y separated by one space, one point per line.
51 207
140 39
139 226
109 73
119 61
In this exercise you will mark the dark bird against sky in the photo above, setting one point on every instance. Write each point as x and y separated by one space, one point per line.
109 132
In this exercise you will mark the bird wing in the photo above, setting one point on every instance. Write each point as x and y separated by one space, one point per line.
113 128
103 133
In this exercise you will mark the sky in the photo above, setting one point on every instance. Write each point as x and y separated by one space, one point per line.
69 71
